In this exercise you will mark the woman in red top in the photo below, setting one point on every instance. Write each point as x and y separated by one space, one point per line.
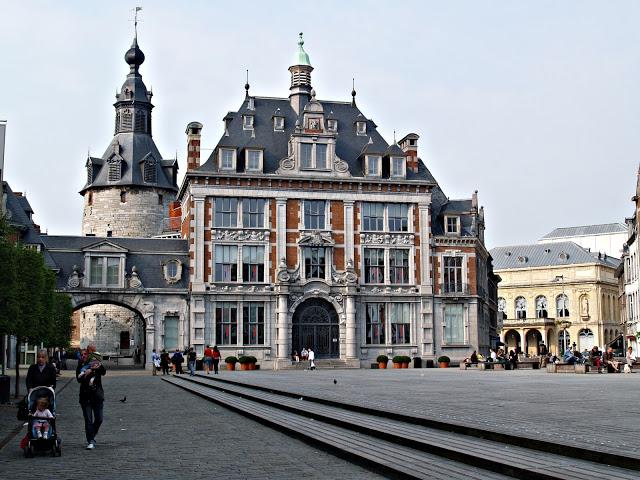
216 359
208 359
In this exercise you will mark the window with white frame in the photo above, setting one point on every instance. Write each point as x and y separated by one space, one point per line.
374 265
542 307
452 275
226 323
399 266
278 124
313 156
398 166
400 319
502 308
225 212
452 225
332 125
398 217
453 324
247 122
315 262
226 263
375 323
252 264
562 306
361 128
521 308
254 160
253 323
373 216
104 271
373 165
253 212
227 159
314 215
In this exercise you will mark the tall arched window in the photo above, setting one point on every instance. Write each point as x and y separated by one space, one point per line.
542 307
585 340
502 308
562 306
521 308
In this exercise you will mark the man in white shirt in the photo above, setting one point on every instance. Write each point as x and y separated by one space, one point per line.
312 357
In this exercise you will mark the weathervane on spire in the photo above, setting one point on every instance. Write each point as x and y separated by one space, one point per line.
135 21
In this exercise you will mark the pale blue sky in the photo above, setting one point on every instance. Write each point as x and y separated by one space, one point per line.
533 103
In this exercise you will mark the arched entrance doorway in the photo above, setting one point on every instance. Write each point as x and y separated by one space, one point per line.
315 325
533 339
586 340
117 330
512 340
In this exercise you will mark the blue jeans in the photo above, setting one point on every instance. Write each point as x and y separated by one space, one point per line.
92 412
192 368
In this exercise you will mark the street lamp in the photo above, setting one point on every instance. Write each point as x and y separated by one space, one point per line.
564 323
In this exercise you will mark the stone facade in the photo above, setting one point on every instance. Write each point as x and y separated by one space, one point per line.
126 212
108 326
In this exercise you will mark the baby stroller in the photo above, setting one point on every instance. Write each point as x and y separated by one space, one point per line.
36 442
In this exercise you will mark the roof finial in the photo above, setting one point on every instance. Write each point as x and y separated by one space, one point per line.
353 92
394 137
135 22
246 85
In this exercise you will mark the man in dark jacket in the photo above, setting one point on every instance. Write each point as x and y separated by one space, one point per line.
91 394
41 374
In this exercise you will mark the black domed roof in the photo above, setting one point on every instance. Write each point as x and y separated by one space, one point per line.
134 56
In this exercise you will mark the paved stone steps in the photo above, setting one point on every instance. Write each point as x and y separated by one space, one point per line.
599 454
496 456
382 456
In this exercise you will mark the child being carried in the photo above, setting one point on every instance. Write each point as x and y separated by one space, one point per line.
93 361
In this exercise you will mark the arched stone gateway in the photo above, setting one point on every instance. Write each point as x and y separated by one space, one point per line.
315 324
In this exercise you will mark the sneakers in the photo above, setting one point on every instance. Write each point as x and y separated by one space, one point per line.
39 434
91 445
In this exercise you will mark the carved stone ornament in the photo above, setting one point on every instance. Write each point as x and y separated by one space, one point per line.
134 278
338 298
340 166
283 275
147 307
287 163
74 278
293 300
344 278
240 235
386 239
584 306
316 238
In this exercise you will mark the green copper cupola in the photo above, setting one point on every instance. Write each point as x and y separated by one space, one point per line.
300 78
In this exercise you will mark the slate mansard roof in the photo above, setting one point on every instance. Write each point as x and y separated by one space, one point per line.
586 230
349 145
547 255
19 213
146 254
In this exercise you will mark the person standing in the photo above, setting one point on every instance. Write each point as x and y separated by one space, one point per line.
136 354
216 359
191 361
91 394
177 360
63 362
164 362
41 373
312 358
155 360
207 361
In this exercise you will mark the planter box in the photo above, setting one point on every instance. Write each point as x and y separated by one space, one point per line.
382 365
397 365
231 366
443 365
245 366
405 364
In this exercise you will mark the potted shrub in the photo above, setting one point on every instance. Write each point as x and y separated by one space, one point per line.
247 362
444 361
231 362
405 361
252 362
397 361
382 361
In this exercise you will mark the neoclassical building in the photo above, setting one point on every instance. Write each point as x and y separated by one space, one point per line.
558 293
306 228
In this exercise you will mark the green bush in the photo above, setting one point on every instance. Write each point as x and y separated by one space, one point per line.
230 359
398 359
247 359
444 359
382 359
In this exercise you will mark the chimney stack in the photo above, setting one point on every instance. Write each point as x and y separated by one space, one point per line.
409 145
193 145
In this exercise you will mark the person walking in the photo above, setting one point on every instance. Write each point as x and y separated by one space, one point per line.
41 373
63 362
312 358
207 360
177 360
91 393
155 361
191 361
164 362
216 359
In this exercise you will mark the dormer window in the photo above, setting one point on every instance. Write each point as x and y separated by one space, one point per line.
332 125
313 156
361 127
254 160
398 166
227 159
278 124
114 172
150 171
314 124
452 225
373 165
247 122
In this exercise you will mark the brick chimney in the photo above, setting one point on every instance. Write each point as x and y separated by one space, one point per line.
409 145
193 145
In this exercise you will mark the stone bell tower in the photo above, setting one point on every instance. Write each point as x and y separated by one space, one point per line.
129 189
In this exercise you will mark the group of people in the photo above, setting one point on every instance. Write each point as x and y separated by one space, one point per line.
306 354
163 361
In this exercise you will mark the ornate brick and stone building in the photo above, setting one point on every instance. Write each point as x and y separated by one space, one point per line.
306 228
